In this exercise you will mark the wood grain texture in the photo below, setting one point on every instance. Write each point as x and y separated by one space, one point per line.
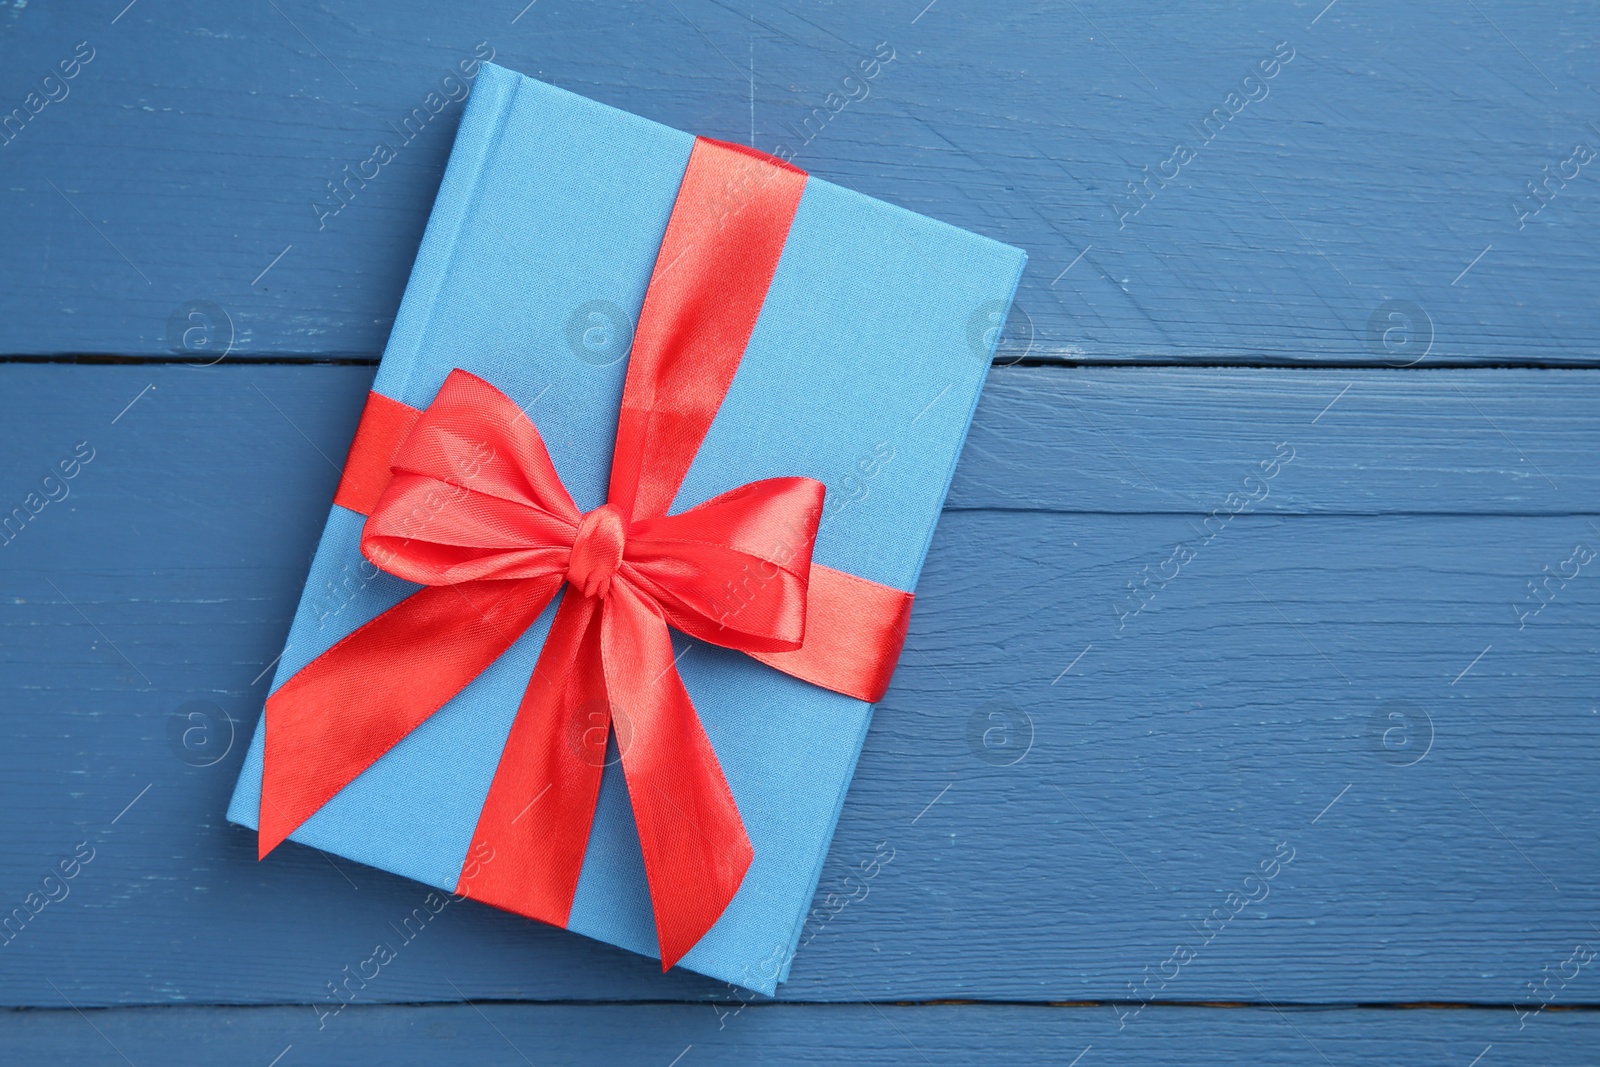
696 1035
1389 160
1353 688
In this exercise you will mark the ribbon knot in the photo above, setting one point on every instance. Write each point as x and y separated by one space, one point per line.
597 551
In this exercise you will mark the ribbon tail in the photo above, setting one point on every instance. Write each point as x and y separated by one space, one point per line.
534 827
696 851
342 711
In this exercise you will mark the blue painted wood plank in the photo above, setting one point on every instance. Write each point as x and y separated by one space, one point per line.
696 1035
1348 755
1510 442
1261 182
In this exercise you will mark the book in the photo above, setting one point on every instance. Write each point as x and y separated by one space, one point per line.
862 372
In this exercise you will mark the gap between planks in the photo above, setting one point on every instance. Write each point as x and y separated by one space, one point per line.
1204 1005
1001 362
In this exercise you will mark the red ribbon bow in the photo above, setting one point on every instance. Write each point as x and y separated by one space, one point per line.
463 499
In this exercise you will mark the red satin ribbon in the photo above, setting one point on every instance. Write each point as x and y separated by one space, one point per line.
462 498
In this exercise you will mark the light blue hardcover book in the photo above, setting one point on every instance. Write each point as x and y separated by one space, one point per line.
862 372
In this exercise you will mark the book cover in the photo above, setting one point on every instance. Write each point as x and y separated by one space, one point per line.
862 372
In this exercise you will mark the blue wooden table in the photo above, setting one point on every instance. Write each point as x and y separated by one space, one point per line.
1251 693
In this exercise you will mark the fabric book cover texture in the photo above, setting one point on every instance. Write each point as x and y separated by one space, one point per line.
862 371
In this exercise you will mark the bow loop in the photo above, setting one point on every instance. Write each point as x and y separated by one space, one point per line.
473 495
475 436
734 570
